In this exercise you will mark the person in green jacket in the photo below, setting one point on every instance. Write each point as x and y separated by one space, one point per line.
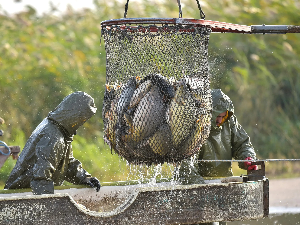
227 140
47 158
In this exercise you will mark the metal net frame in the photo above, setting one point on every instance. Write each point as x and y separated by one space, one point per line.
157 101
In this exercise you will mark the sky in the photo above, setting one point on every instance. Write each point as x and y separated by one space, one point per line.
43 6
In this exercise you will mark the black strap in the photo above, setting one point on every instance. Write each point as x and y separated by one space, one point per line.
126 9
202 15
67 136
180 11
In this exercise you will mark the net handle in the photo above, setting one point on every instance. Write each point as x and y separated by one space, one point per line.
202 15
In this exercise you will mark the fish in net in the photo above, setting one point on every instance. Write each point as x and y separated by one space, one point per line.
157 101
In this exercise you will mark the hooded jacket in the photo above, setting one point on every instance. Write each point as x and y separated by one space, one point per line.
47 158
225 142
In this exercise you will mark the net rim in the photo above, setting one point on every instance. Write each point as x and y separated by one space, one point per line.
216 26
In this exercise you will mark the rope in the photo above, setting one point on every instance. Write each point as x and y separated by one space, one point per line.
126 9
2 143
202 15
234 160
180 11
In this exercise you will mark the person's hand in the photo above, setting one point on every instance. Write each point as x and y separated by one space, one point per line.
249 165
93 182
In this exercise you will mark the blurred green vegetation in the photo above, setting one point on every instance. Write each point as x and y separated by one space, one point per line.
44 58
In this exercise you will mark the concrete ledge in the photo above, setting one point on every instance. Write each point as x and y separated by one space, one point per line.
170 204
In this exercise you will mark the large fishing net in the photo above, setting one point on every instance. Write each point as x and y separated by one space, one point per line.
157 101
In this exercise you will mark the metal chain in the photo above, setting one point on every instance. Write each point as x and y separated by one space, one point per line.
202 15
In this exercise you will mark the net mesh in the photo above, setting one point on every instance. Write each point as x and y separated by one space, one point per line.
157 101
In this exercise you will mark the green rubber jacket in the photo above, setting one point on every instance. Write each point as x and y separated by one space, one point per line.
229 141
47 158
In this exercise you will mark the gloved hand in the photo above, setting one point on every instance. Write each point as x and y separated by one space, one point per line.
93 182
249 165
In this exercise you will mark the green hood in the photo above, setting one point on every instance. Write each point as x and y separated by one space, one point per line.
74 111
221 103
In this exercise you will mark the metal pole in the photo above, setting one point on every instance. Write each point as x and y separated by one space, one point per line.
274 29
